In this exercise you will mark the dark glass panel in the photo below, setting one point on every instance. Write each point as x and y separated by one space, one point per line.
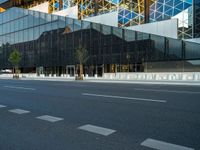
192 50
129 35
175 49
158 48
106 30
117 32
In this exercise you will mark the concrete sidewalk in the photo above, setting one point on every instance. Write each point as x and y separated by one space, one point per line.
103 80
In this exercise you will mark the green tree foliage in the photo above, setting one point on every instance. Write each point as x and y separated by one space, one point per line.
14 59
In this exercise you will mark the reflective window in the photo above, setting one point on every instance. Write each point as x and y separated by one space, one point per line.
96 26
192 50
12 38
42 29
42 18
20 13
48 27
12 25
36 18
25 22
77 25
20 36
21 23
30 19
16 25
16 37
25 35
85 25
1 18
69 25
106 30
7 38
54 18
175 49
117 32
6 16
36 33
54 25
1 29
30 34
129 35
48 17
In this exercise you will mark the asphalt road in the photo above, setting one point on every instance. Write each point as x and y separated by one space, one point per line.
98 116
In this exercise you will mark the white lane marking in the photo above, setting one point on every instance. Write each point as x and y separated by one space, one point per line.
17 87
97 130
49 118
19 111
160 145
168 91
129 98
2 106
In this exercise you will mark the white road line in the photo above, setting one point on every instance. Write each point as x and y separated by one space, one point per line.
97 130
17 87
160 145
49 118
129 98
2 106
19 111
168 91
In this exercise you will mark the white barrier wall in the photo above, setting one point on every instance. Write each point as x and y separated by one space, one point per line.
164 76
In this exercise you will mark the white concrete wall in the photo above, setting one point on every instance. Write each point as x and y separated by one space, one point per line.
71 12
168 28
164 76
41 8
110 19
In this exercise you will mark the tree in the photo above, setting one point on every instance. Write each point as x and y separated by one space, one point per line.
81 55
14 59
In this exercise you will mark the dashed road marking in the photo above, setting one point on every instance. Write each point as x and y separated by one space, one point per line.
21 88
167 91
160 145
2 106
97 130
19 111
127 98
49 118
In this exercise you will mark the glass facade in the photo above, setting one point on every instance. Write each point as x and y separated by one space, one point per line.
50 41
132 12
196 18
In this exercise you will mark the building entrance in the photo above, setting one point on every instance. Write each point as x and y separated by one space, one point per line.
71 70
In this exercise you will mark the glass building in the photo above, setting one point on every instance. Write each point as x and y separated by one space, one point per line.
47 44
129 12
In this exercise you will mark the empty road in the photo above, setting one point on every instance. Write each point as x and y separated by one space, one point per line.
46 115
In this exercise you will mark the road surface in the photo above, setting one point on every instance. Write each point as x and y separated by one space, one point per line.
45 115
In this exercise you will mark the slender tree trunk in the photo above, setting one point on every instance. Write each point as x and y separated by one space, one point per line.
81 71
13 70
